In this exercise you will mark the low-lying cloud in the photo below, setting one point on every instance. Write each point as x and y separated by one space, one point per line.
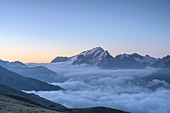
88 86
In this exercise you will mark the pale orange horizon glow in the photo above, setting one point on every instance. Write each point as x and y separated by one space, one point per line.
46 56
30 56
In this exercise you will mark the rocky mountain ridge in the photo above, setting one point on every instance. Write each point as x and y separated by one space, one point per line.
102 58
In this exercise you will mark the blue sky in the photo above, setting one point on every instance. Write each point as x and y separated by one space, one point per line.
39 30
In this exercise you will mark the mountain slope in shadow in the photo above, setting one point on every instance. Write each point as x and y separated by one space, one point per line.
11 105
19 82
36 72
31 99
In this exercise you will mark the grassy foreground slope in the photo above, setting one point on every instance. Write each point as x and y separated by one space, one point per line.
11 105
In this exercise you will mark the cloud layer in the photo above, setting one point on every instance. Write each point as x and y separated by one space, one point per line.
88 86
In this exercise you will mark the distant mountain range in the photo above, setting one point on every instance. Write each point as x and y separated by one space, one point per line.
19 82
37 72
95 56
102 58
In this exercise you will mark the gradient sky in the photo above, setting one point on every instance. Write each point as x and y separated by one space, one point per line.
39 30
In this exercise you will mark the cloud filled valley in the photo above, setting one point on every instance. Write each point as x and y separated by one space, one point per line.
125 89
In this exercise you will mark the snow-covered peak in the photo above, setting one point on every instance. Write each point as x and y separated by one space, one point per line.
93 51
94 56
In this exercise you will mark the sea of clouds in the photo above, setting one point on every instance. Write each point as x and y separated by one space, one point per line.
89 86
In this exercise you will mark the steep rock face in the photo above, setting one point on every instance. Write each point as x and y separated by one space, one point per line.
163 63
96 56
19 82
81 59
106 60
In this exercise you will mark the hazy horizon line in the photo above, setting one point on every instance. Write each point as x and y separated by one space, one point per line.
112 54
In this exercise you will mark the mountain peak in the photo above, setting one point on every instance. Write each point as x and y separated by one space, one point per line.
94 56
93 50
102 58
97 48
